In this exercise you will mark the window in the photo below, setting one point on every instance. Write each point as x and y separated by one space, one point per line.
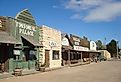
76 43
55 55
16 57
32 55
93 45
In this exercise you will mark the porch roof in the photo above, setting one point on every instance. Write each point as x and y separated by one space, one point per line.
31 40
6 38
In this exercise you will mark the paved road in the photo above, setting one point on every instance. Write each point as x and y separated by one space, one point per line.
109 71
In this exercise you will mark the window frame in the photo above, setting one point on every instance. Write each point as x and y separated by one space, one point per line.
55 55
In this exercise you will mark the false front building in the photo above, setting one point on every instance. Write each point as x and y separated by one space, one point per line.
19 43
51 50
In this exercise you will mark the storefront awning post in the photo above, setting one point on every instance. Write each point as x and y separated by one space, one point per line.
69 60
81 58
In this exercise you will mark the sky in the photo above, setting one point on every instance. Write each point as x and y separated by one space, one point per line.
95 19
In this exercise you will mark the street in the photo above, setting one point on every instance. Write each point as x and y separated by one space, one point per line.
106 71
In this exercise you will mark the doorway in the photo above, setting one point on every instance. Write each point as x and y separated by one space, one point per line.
4 58
47 59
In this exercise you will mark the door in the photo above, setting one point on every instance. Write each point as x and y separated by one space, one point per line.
47 58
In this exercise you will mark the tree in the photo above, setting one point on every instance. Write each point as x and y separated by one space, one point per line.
100 46
112 48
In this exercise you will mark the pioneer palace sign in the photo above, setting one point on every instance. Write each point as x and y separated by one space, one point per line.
25 28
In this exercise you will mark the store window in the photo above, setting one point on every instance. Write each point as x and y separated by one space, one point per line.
76 43
55 54
32 55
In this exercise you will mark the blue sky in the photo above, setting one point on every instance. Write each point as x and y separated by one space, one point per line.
95 19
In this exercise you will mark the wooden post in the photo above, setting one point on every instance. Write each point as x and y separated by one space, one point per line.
89 57
81 58
69 60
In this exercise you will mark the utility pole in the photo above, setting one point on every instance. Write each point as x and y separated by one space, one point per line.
117 48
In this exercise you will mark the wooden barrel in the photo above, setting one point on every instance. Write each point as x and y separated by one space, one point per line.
18 72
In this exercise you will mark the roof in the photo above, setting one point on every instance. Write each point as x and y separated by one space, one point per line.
31 40
6 38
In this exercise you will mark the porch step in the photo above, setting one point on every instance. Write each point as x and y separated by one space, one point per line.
5 75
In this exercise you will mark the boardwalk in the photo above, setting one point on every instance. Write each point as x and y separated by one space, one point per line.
109 71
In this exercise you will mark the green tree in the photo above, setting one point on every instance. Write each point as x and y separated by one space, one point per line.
112 48
100 45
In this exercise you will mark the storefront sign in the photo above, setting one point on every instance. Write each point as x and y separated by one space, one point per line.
80 48
16 52
0 24
65 41
25 29
52 43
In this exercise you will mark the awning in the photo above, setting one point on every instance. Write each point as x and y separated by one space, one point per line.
6 38
89 51
93 51
31 40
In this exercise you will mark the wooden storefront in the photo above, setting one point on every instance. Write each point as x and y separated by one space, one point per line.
20 42
77 51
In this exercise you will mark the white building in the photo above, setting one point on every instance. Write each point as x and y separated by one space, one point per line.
93 46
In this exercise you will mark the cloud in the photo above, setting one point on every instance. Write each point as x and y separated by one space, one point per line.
76 16
106 12
96 10
84 4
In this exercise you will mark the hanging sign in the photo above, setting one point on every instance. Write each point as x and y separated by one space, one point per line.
16 52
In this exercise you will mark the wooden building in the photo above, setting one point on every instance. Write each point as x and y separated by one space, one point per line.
66 48
76 50
19 43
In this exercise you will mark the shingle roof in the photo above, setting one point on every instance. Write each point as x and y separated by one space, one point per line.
6 38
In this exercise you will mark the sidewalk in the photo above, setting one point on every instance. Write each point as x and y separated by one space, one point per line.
5 75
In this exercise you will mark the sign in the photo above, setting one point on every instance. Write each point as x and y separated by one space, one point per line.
26 29
52 43
65 41
80 48
0 24
16 52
